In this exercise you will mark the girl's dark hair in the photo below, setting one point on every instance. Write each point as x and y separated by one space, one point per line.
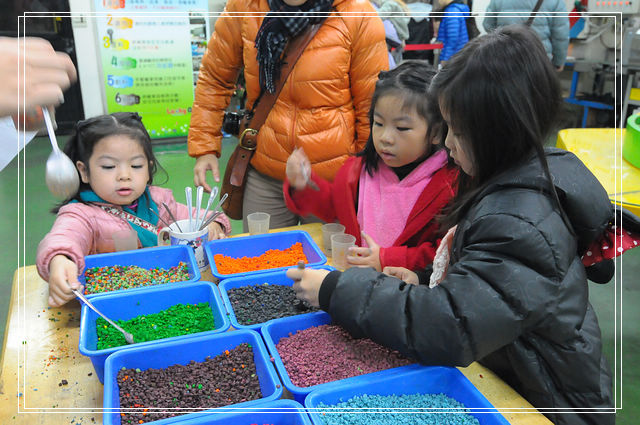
89 132
410 80
502 97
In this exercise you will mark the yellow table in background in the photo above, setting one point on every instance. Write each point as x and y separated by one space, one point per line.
41 351
601 151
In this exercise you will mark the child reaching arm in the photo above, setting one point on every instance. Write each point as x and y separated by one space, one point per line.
115 160
515 296
390 194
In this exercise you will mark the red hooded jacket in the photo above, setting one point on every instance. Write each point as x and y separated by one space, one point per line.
415 247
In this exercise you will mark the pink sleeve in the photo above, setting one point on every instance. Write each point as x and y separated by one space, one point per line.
71 235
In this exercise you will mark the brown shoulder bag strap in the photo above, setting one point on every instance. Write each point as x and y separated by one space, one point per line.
247 140
533 13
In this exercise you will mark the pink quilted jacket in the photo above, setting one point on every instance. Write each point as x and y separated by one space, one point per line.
81 230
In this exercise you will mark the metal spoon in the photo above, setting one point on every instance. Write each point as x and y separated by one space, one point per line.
210 219
127 336
212 196
61 175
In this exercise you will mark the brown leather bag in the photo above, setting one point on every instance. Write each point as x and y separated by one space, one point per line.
234 179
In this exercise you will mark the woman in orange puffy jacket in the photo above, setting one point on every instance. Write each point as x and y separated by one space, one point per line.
322 107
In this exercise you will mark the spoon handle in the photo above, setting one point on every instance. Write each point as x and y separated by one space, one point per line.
50 131
88 303
189 196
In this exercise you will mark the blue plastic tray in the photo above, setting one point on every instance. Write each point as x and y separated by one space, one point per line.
182 351
279 412
413 379
253 246
274 330
126 305
148 258
272 278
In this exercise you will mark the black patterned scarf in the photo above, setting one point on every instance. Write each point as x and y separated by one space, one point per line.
278 28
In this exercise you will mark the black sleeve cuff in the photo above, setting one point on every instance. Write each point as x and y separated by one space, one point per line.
424 275
326 289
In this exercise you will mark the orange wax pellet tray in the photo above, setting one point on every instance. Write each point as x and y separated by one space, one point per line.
240 256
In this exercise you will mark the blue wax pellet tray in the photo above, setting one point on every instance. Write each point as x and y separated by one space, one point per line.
148 258
278 412
183 351
256 245
412 379
127 305
274 330
272 278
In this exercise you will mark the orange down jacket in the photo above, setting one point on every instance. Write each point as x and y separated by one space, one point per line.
324 104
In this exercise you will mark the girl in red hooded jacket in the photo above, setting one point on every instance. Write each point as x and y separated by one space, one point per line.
389 195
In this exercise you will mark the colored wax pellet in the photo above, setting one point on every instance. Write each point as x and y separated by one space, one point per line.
196 385
180 319
113 278
271 259
414 409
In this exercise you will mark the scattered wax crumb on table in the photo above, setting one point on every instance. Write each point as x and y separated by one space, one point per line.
327 353
225 379
177 320
113 278
425 409
260 303
271 259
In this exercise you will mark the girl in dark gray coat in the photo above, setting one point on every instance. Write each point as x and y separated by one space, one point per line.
515 295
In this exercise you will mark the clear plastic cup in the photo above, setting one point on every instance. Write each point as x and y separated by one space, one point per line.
340 243
125 240
328 230
258 223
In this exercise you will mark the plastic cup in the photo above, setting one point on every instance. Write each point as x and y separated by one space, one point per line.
173 236
125 240
340 243
329 230
258 223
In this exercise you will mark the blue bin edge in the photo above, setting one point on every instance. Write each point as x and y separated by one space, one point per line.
261 356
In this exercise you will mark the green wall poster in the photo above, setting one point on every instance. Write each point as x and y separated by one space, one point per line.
150 52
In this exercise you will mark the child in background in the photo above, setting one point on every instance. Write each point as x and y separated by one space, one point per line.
392 191
515 296
116 164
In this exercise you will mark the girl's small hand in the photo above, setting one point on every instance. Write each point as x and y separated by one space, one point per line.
307 284
216 231
295 169
63 276
365 257
403 274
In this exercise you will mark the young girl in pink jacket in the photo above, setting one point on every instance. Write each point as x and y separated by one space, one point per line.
116 164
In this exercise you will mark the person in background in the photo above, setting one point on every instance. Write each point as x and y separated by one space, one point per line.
33 75
452 31
395 17
116 164
394 189
515 296
322 108
552 26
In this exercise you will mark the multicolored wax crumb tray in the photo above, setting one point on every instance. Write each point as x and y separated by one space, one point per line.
257 245
138 269
428 381
182 352
127 305
276 330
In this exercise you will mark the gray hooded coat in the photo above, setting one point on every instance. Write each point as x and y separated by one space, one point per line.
515 297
